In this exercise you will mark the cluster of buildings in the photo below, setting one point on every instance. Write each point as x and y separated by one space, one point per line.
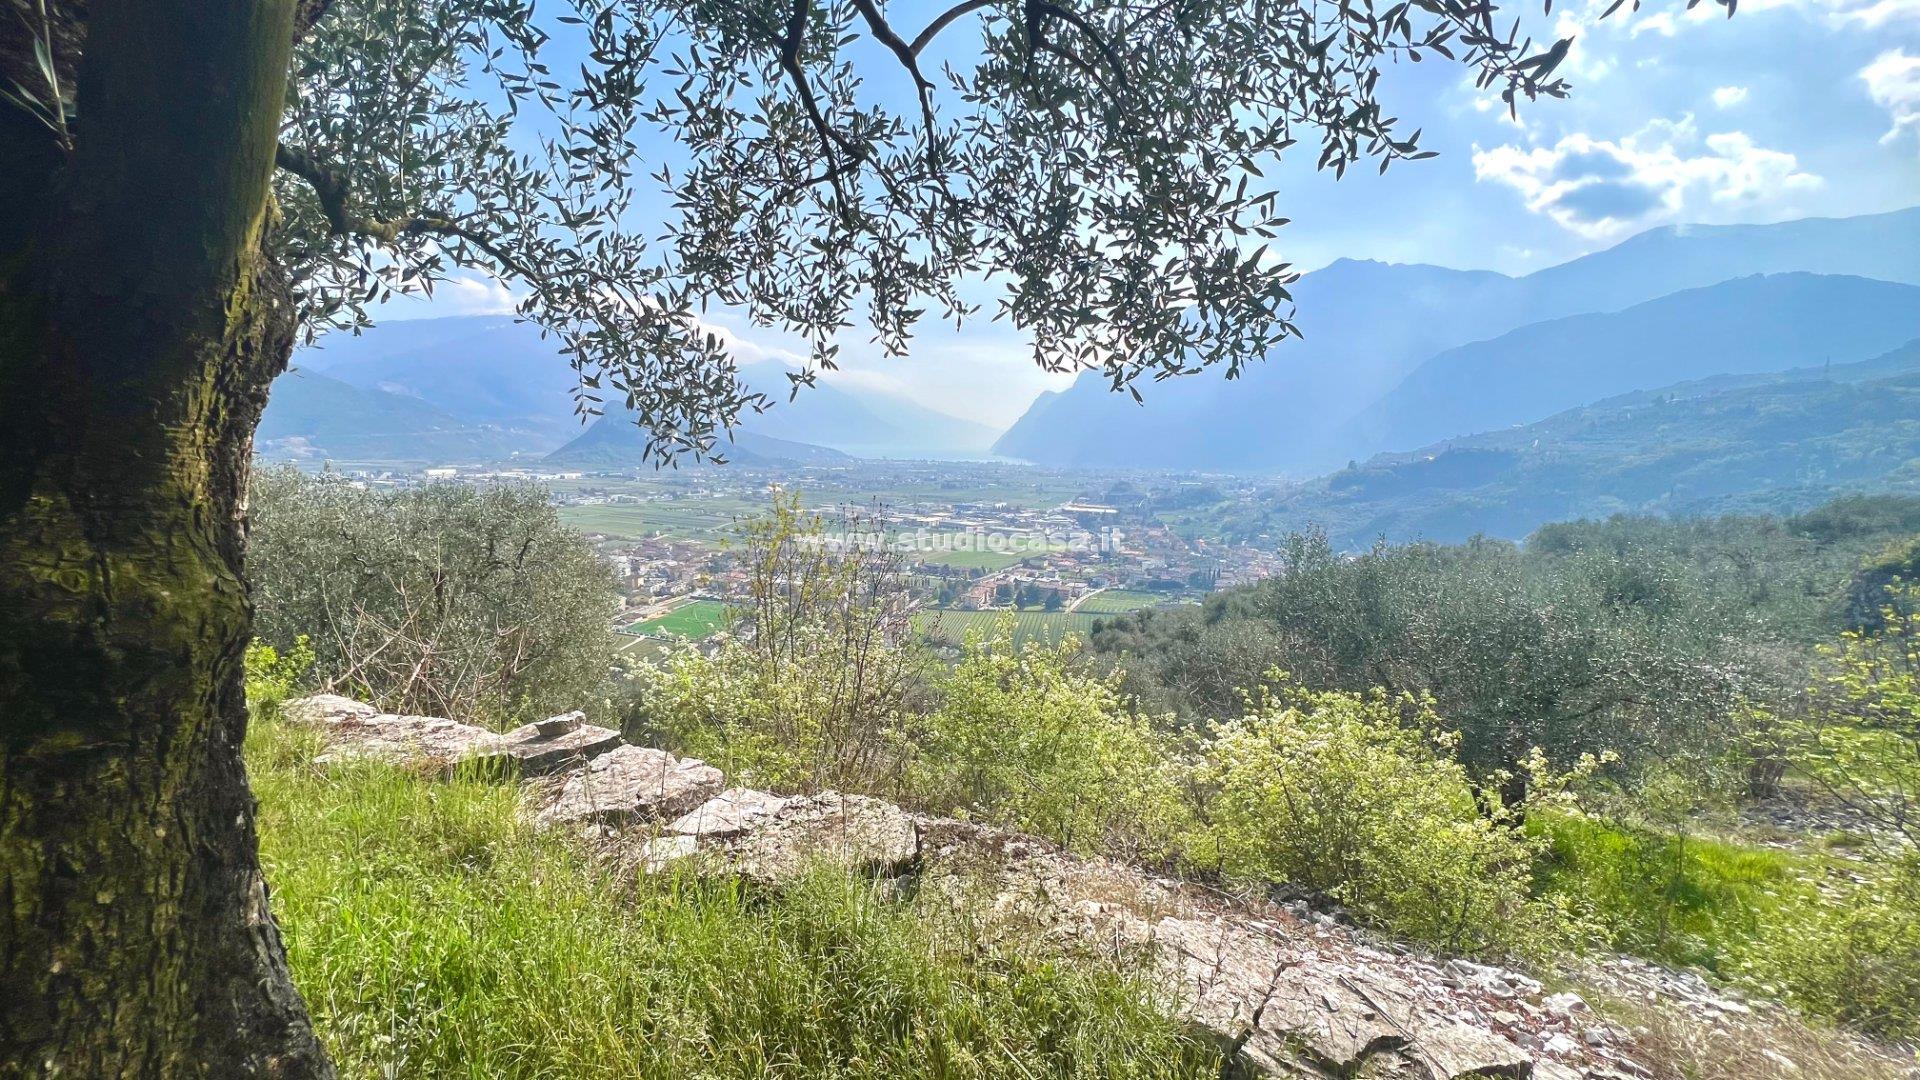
1033 550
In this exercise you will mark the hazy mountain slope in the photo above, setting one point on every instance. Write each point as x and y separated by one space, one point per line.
616 442
1781 441
493 370
1674 257
1747 325
1367 324
482 368
1362 324
311 416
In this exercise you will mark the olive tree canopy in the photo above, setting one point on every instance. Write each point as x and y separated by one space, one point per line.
826 167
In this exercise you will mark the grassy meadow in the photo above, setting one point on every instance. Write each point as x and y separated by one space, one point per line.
433 934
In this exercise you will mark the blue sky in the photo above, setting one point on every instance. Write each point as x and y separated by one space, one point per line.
1793 108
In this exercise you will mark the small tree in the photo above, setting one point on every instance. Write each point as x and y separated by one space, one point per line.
814 689
448 600
1859 739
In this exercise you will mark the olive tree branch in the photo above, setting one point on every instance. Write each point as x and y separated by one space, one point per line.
944 20
332 193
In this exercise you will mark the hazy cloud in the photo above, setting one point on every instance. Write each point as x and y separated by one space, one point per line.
1893 82
1600 188
472 294
1726 97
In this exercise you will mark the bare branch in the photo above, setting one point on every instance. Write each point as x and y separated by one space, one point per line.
945 19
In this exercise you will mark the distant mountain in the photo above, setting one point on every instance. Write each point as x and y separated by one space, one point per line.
493 370
1754 324
1367 325
313 417
616 442
858 421
485 369
1362 323
1779 441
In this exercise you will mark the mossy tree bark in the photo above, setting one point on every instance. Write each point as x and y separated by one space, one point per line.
140 325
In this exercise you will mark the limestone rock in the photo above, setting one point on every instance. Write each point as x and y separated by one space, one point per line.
774 839
321 710
850 831
544 747
629 785
354 729
728 814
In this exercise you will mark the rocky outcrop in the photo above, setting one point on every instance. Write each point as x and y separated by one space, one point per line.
629 785
545 747
773 840
1289 992
1292 994
354 729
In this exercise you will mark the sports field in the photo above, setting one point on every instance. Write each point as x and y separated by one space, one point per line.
695 620
1043 626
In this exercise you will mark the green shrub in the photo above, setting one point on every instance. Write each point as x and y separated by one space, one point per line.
1359 796
445 600
813 692
434 934
274 675
1020 739
1853 957
1858 741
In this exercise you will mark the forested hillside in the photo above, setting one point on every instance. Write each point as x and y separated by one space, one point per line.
1779 442
1744 326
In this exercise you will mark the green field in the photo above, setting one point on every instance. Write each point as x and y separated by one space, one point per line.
704 519
1044 626
965 560
1117 601
696 620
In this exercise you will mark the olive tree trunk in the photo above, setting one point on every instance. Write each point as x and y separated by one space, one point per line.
140 325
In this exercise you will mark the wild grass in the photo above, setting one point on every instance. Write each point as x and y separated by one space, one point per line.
1685 900
434 935
1674 1043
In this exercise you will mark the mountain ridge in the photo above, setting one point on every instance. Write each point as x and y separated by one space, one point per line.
492 370
1772 441
1366 325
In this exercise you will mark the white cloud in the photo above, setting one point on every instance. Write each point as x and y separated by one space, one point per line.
746 350
1893 82
1600 188
1873 14
470 294
1726 97
1660 22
